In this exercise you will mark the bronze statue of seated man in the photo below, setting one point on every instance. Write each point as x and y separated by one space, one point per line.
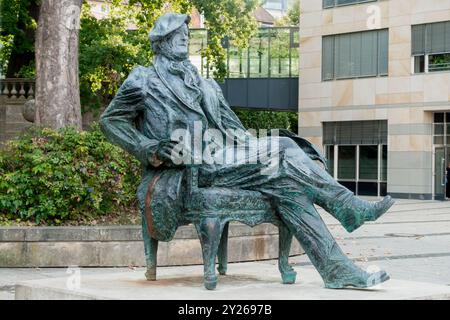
171 118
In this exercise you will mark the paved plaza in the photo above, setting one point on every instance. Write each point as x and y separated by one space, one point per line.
411 242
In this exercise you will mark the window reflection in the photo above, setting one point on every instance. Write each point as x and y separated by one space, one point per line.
347 162
368 162
272 52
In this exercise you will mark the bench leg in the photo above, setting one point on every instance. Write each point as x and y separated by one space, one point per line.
151 252
223 251
209 231
288 274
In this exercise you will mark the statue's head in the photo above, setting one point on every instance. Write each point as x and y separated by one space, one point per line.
170 36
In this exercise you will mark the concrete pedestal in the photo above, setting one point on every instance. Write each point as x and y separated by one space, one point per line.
249 281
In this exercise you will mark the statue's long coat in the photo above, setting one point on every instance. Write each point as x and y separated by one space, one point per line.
150 105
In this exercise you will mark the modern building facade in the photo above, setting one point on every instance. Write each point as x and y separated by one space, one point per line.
374 92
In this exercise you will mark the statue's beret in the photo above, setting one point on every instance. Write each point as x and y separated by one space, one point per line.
166 24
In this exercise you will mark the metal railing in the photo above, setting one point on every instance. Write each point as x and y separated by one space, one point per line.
439 67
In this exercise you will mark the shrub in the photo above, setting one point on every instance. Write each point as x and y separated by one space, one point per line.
50 176
255 119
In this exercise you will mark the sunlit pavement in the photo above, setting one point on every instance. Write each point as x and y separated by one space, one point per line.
411 242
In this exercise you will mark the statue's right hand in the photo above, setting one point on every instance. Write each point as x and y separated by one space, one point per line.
165 149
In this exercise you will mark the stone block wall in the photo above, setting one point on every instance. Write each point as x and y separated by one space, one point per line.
406 100
119 246
12 122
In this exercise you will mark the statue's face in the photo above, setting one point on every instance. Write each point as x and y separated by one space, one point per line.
179 42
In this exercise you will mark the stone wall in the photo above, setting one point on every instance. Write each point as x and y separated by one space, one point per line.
118 246
404 99
13 95
12 122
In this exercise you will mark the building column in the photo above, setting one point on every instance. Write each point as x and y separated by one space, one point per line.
410 154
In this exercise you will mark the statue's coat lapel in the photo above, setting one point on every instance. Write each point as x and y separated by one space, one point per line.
175 90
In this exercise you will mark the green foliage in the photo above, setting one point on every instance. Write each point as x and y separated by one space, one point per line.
14 17
108 52
440 62
27 71
51 176
294 14
292 18
6 45
230 18
252 119
16 26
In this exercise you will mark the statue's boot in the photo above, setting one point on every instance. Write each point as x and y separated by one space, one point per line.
356 212
335 268
342 273
357 279
351 211
371 211
338 271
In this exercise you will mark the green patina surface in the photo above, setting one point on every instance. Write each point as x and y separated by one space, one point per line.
156 101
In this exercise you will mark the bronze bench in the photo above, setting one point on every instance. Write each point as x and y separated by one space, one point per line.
211 210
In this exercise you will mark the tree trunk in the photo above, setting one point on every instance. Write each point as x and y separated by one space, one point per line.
57 84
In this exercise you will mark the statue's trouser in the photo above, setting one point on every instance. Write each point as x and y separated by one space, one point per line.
294 184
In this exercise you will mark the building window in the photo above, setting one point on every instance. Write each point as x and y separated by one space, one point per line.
368 162
338 3
355 55
441 128
361 168
346 163
357 155
431 47
355 132
329 151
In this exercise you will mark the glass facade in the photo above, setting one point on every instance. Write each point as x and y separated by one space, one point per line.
197 43
329 151
361 168
357 155
355 132
272 53
441 129
355 55
384 157
346 162
368 162
441 141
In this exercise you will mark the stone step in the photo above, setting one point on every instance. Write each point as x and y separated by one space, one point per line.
246 281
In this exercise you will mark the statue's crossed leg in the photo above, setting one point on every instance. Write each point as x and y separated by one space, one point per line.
296 185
